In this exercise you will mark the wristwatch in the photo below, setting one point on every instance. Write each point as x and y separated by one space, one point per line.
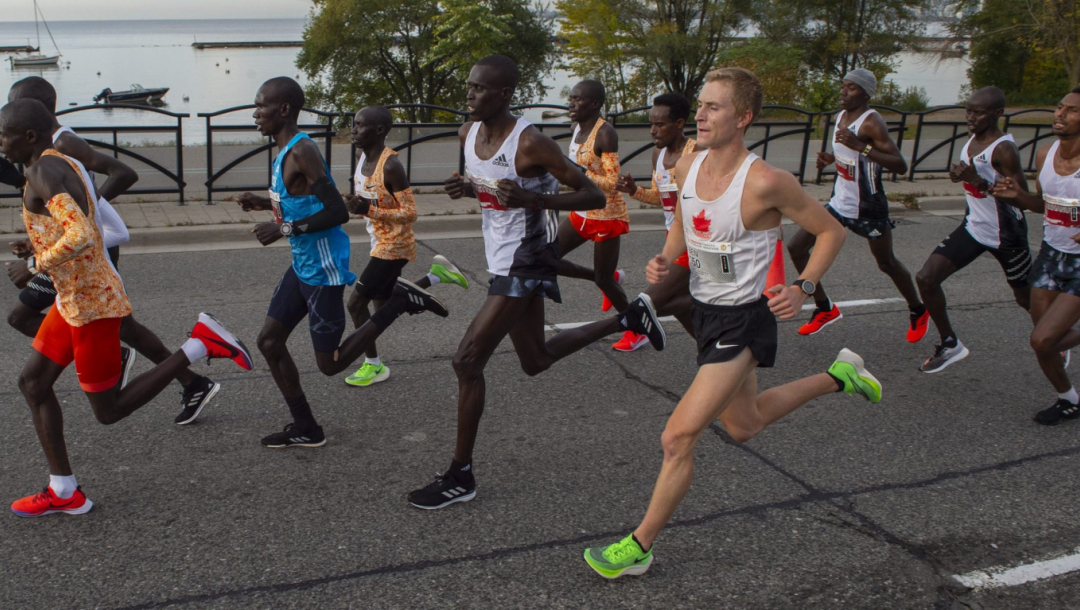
806 286
286 229
866 151
31 265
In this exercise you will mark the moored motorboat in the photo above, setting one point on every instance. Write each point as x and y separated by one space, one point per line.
136 94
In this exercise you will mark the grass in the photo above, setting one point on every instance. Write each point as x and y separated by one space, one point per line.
908 200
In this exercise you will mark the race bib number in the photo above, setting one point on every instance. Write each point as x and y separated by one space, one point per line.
1062 212
712 260
669 196
845 168
487 192
275 207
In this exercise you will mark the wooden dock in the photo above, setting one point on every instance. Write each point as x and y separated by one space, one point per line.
248 45
19 49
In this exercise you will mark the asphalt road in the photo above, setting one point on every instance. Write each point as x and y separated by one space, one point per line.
840 505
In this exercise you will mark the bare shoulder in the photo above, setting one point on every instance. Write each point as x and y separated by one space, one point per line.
768 182
533 139
684 162
463 131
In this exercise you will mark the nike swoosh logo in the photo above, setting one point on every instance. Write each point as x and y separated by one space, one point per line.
718 346
70 501
233 352
687 196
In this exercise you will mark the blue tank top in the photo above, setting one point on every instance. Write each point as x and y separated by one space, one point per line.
319 259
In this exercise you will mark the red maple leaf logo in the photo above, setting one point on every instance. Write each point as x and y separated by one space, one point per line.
701 224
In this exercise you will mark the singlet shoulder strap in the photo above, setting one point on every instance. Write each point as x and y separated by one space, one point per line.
590 142
690 145
386 154
294 141
59 132
52 152
690 182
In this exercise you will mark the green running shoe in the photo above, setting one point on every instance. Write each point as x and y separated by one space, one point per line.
850 369
447 272
624 558
369 374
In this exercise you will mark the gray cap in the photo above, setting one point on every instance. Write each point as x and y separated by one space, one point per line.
864 79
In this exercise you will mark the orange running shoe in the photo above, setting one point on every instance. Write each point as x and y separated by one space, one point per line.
219 342
605 305
919 325
46 502
820 320
630 341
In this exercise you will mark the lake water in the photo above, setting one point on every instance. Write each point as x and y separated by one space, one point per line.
115 54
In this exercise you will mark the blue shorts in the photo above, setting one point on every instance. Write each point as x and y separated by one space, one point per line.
521 287
322 305
865 228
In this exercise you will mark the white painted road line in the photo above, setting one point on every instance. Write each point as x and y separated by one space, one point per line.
840 304
1010 577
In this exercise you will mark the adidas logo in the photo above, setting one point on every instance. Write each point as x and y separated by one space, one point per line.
875 233
453 493
299 439
501 161
981 158
1077 174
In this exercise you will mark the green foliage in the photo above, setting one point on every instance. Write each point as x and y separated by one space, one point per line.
780 68
911 99
361 52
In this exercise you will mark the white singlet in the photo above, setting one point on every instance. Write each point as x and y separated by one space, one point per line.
991 223
858 192
1061 220
371 196
113 230
669 190
518 242
728 263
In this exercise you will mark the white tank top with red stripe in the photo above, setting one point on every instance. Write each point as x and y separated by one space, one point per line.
1061 220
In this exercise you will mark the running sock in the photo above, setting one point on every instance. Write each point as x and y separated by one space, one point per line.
839 382
194 349
376 361
301 413
918 311
949 342
390 311
198 381
63 487
640 546
461 471
434 279
1071 396
828 305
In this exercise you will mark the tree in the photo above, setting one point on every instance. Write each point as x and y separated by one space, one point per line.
646 46
363 52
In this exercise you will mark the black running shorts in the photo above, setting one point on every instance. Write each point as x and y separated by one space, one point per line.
962 249
1056 271
867 229
380 276
322 305
724 331
40 293
521 287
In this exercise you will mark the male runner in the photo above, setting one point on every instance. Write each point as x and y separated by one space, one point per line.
382 187
84 325
1055 275
26 316
514 171
594 145
667 119
309 210
729 219
991 225
861 148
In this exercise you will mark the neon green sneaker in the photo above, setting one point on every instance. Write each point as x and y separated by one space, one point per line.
369 374
624 558
447 271
850 369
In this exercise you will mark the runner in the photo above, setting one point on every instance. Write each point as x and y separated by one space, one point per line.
594 145
514 171
384 195
729 217
84 326
991 225
1055 275
309 210
667 117
861 149
26 316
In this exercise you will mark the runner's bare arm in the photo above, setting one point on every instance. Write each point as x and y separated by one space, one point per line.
456 186
1006 161
397 184
607 148
52 180
250 202
541 154
1009 188
650 196
120 176
778 189
885 153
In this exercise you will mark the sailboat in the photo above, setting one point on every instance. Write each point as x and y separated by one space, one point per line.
38 59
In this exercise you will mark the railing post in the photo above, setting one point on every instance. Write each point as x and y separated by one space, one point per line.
805 147
900 139
915 148
824 144
180 158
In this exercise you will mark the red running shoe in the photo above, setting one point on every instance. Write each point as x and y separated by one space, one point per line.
820 320
219 342
46 502
606 305
919 325
630 341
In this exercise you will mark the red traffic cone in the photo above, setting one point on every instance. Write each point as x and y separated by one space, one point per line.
776 270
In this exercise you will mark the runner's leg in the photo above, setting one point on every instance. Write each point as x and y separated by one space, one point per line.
25 319
882 249
36 383
1054 314
930 278
144 341
799 247
536 354
605 263
569 240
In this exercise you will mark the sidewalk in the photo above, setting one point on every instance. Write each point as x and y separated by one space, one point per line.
152 215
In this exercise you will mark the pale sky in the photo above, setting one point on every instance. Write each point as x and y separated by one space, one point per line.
79 10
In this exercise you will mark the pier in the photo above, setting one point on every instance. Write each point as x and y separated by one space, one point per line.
19 49
248 45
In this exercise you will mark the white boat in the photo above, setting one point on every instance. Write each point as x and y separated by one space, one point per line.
38 59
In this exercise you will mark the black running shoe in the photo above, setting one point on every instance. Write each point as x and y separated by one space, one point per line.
640 317
418 300
444 491
194 398
1061 411
291 436
127 362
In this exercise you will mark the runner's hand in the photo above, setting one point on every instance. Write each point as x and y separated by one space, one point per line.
249 202
824 160
848 138
1006 188
455 186
21 248
1076 237
513 196
267 232
962 172
19 273
786 301
657 269
357 205
626 184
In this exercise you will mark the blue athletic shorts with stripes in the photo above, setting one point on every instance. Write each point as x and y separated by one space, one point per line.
322 305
